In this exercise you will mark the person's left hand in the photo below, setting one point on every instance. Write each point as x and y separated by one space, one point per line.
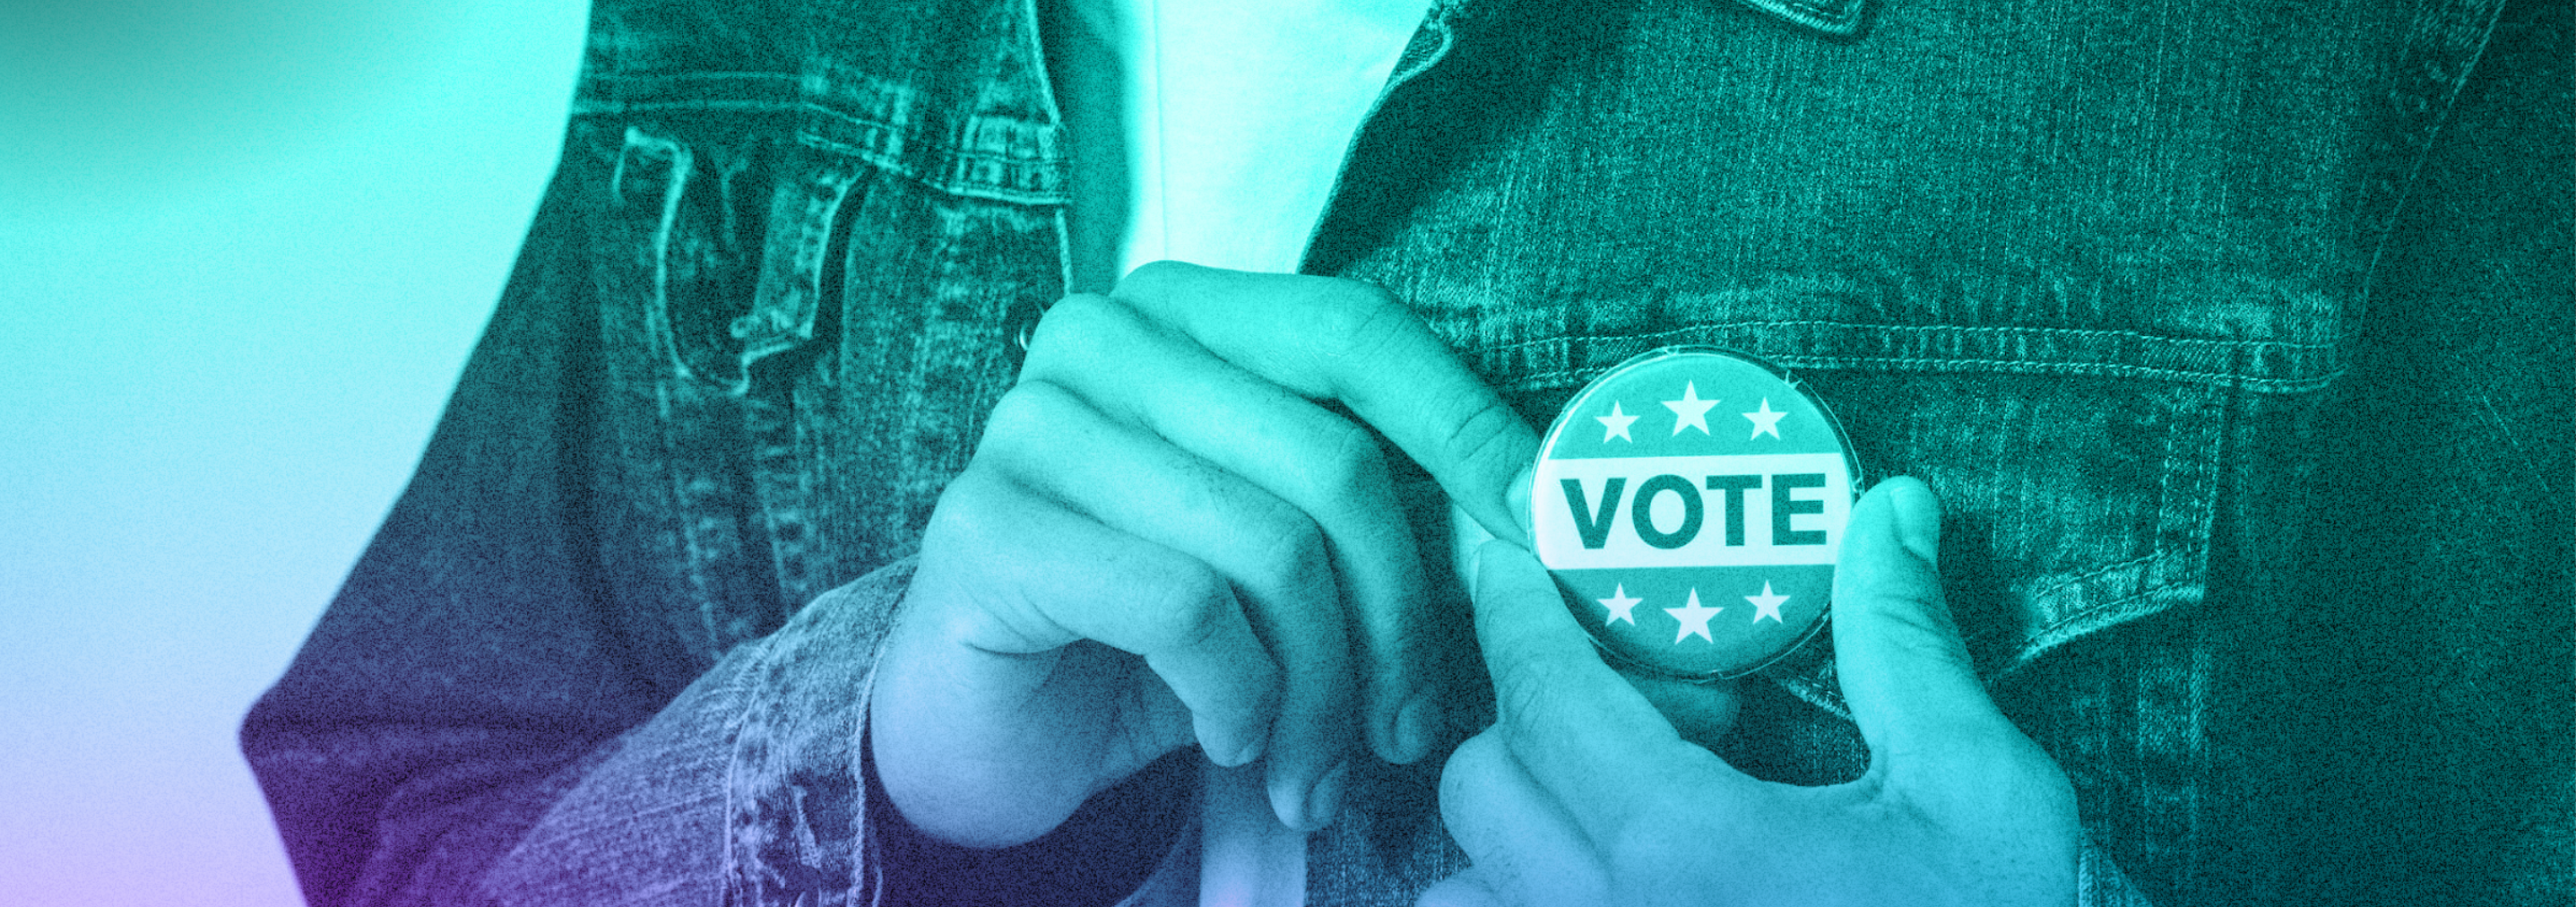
1582 793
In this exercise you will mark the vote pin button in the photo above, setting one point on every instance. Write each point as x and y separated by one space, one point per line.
1690 502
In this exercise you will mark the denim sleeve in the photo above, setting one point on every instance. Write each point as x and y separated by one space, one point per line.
747 789
491 712
474 721
483 716
579 662
480 717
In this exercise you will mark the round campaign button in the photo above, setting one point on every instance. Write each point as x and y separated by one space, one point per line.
1690 501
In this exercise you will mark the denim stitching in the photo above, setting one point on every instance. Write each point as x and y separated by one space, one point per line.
1967 328
2161 578
957 186
789 291
1569 377
2298 375
679 162
2442 50
1027 179
2178 561
1833 17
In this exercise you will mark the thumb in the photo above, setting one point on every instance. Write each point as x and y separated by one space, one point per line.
1903 668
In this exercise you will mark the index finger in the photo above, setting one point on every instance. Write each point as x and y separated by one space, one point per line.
1577 726
1328 338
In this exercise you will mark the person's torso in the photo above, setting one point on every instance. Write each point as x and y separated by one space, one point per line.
2084 267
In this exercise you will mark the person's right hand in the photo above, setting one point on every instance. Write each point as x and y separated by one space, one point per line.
1165 536
1583 793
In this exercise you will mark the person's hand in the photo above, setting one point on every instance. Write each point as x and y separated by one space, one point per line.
1166 537
1581 793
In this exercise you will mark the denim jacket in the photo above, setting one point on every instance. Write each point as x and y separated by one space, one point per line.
2235 337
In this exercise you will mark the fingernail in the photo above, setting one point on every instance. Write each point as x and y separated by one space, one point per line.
1918 521
1416 725
1250 750
1224 748
1324 803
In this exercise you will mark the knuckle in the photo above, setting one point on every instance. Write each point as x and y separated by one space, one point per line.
1486 435
1075 332
1260 676
977 524
1194 608
1646 835
1295 558
1660 832
1031 410
962 516
1527 684
1356 318
1353 467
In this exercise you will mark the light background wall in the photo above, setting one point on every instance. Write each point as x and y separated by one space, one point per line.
244 249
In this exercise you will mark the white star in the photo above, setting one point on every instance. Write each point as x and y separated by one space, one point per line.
1690 411
1694 618
1765 422
1615 424
1768 603
1621 606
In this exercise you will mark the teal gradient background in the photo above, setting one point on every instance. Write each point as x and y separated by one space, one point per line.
244 249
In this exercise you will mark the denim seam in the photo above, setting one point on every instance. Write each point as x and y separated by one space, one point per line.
869 862
2159 572
2173 572
744 688
2035 597
1567 377
2456 32
623 80
1840 18
965 188
681 164
2060 587
2298 377
597 109
2186 503
2045 367
884 148
1990 330
800 862
1429 44
787 298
